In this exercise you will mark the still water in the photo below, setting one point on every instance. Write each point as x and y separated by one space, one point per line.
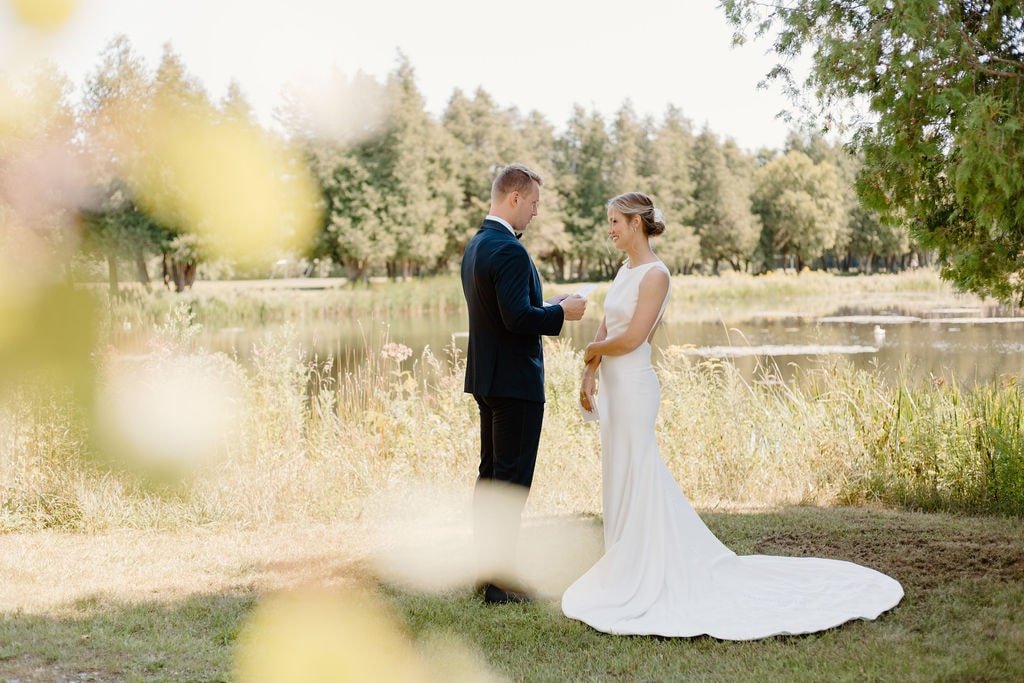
969 345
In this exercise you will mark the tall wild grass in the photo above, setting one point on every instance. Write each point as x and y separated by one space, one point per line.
310 447
733 295
241 303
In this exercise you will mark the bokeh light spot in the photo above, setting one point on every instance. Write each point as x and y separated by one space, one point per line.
240 189
44 13
318 636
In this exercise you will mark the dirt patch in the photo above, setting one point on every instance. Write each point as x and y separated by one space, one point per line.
918 557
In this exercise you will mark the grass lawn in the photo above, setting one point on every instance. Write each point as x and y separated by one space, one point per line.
168 606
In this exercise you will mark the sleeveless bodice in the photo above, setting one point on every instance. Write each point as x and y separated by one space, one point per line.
619 307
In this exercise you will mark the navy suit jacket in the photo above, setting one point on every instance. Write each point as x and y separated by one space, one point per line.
507 317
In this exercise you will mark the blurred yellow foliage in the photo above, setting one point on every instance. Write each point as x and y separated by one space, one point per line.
320 637
239 188
24 107
47 336
44 13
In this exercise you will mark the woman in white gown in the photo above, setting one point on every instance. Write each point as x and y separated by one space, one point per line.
663 571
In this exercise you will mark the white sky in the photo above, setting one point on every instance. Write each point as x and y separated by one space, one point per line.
543 55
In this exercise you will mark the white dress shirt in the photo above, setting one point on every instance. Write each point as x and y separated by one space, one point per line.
492 217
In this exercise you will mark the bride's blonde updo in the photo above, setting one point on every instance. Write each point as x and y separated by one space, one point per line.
639 204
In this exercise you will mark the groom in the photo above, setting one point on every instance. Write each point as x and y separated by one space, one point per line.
505 364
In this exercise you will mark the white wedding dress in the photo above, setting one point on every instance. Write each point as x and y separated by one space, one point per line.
663 571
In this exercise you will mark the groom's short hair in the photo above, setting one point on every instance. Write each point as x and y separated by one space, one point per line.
513 178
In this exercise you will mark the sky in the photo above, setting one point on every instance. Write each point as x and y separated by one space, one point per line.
544 55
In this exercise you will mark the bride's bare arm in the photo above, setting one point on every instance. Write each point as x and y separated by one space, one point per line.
588 386
653 288
602 334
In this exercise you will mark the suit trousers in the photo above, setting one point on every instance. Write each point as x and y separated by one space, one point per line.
509 437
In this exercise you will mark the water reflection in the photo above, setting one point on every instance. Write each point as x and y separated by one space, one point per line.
970 345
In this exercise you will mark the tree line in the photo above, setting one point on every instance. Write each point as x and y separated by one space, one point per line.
402 197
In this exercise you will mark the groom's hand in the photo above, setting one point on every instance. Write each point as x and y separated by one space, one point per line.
573 307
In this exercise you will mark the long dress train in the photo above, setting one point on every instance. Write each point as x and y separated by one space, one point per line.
663 571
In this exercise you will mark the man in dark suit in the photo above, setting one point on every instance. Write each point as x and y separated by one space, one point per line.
505 364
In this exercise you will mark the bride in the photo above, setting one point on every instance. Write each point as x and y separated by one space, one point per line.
663 571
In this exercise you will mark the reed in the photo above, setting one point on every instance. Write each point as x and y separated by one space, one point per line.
314 448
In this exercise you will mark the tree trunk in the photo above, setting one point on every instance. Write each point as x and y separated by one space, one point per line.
112 274
561 266
140 267
181 273
178 275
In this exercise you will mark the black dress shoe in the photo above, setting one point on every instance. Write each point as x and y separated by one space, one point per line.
500 596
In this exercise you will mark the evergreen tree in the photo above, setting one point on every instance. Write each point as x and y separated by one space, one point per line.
672 186
356 233
629 153
727 228
410 167
484 138
583 154
547 237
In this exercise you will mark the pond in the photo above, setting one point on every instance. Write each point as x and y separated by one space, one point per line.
972 344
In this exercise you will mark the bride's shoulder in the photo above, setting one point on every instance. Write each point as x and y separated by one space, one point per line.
659 267
657 273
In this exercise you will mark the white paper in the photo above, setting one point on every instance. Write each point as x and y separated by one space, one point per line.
585 290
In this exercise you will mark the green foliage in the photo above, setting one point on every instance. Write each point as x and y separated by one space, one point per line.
672 186
727 228
945 448
119 227
482 135
355 234
944 136
584 154
800 206
630 152
547 237
412 175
